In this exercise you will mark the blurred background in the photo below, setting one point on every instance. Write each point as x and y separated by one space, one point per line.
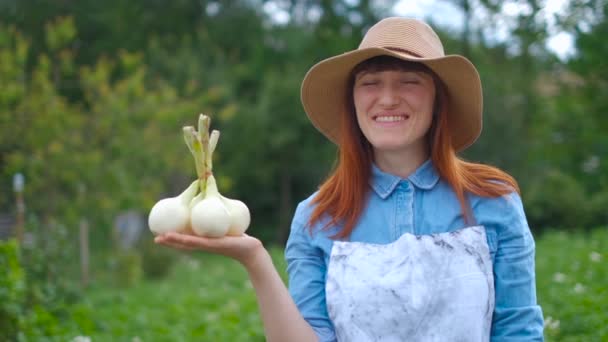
93 96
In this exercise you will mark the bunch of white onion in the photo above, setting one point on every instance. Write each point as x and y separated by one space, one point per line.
200 209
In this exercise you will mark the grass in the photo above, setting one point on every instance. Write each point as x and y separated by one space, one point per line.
205 298
209 298
572 285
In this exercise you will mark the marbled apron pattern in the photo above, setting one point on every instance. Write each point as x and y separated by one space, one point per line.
427 288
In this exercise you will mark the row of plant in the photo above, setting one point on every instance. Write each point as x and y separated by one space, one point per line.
158 294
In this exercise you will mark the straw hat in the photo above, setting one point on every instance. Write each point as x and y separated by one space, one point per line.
325 83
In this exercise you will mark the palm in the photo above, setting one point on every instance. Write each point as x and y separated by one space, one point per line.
240 248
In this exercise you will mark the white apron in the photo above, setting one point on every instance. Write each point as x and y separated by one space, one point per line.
426 288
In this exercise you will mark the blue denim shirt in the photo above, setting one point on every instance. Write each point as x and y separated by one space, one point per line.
423 204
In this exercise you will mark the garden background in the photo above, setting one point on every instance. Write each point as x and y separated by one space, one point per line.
93 96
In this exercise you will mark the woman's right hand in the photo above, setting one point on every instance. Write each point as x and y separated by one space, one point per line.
245 249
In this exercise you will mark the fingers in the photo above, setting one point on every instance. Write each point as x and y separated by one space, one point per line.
183 241
231 246
175 245
172 244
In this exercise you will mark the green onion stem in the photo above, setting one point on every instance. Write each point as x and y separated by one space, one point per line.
193 143
203 131
202 145
215 135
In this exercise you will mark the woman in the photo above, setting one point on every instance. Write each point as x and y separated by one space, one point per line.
404 241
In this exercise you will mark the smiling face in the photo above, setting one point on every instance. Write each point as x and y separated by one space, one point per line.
394 107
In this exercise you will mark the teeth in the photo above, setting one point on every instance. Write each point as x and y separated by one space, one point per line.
390 118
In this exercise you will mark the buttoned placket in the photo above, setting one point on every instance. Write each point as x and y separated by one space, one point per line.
404 211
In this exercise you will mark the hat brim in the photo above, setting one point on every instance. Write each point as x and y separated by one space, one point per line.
324 88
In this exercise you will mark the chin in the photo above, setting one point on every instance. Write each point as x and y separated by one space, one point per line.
389 145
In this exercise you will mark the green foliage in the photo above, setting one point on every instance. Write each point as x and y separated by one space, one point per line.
571 284
39 324
102 123
12 289
210 298
60 33
33 301
126 267
581 106
39 128
550 201
157 263
48 260
205 298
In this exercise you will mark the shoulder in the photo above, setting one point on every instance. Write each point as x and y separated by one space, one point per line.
508 203
503 216
511 202
304 209
302 215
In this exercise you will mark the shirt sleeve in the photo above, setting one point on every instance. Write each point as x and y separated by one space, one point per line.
307 272
517 316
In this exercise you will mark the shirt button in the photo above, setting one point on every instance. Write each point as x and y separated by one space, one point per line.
404 185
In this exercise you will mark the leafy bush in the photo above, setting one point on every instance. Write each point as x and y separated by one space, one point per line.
48 290
557 200
157 262
598 207
48 260
31 307
12 290
126 268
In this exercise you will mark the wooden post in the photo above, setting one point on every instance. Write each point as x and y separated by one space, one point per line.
18 184
84 252
20 217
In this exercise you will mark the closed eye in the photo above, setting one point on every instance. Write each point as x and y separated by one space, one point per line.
410 81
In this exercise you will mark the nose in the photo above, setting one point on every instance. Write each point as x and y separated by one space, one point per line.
389 97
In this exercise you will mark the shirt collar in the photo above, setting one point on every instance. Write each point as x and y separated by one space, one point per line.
425 177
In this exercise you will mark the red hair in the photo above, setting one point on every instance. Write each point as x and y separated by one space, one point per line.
344 194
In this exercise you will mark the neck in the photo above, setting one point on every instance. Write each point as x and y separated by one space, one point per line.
401 163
